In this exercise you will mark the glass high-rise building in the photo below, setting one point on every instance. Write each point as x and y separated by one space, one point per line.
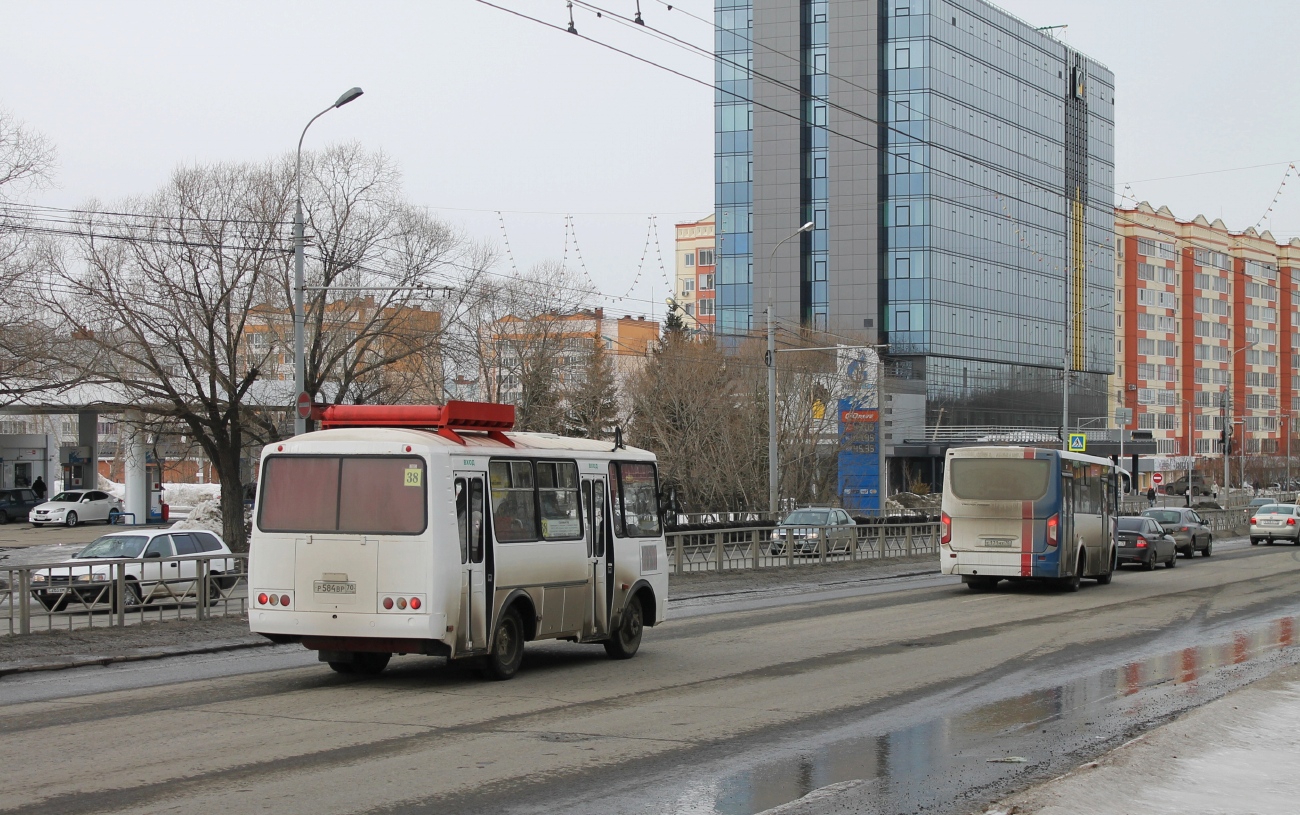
957 165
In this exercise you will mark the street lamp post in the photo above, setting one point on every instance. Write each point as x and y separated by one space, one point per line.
1227 419
772 471
1065 372
1190 409
299 318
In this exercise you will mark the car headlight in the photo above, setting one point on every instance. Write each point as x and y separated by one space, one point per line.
39 578
776 536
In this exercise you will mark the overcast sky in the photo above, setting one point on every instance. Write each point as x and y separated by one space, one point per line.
484 111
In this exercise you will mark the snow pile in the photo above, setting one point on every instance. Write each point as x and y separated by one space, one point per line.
190 495
206 514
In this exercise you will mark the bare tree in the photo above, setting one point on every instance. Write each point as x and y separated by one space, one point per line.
383 278
26 157
162 309
27 160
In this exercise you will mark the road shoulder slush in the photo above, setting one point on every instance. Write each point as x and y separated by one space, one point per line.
1235 754
101 646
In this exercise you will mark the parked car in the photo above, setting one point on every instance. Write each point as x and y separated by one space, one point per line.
71 507
1143 541
1274 522
1256 503
1179 485
1189 529
803 529
16 503
150 575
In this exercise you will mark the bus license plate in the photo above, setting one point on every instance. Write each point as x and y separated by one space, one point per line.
1000 542
330 587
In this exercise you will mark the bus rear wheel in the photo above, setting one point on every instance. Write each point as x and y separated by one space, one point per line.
363 663
507 651
1072 582
1104 578
981 583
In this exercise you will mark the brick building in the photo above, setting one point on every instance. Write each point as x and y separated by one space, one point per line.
1206 323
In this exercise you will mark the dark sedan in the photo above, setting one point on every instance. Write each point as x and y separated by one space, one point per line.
15 504
1144 541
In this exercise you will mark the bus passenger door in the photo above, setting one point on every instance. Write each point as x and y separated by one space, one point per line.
472 531
593 502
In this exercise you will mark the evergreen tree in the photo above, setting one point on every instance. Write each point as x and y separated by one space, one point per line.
591 397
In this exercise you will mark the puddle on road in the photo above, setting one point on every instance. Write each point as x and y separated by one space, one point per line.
929 764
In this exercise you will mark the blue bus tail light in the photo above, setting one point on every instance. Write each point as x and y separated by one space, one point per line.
1053 527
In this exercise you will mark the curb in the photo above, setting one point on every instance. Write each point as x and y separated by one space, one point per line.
104 661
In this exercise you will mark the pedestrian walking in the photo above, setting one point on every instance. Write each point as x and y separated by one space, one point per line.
38 487
1151 496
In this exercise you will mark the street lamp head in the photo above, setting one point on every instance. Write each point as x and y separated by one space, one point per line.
806 227
348 96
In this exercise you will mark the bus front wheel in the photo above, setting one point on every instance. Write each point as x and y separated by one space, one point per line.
624 642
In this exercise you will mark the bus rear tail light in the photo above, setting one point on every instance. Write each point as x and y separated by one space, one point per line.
262 599
415 602
401 603
946 521
388 602
1141 542
275 600
1053 530
284 599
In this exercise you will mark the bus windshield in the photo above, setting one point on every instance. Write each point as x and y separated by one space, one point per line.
999 479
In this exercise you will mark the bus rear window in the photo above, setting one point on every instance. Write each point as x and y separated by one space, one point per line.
999 479
380 495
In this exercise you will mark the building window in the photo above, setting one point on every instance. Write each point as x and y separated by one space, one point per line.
902 267
819 168
706 282
902 58
689 260
903 321
706 307
903 216
688 286
706 257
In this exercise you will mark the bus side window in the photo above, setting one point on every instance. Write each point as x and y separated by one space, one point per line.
476 520
615 501
462 518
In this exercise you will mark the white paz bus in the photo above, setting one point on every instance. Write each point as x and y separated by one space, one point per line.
1028 513
432 530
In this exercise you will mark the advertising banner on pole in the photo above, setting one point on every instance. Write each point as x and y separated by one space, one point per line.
859 430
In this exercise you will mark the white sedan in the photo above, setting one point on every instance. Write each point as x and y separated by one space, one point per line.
71 507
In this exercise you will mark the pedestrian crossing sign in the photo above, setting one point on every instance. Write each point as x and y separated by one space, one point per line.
1078 442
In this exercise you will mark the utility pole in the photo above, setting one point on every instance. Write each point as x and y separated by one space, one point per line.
772 475
882 463
1226 421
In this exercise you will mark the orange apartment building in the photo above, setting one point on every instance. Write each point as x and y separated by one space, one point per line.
1205 314
694 289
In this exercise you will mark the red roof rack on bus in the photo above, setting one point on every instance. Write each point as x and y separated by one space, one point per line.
489 417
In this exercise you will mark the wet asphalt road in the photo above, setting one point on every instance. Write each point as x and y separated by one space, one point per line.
919 694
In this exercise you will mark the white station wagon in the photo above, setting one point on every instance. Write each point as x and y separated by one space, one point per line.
151 573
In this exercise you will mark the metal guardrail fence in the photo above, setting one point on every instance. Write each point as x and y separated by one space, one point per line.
764 547
50 596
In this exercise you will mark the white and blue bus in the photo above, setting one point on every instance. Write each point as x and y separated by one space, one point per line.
1028 513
